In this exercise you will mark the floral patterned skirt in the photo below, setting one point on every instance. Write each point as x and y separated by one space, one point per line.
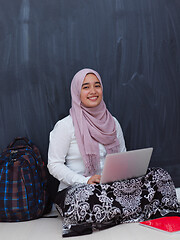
85 207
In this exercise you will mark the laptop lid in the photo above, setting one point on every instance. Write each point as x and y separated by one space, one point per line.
126 165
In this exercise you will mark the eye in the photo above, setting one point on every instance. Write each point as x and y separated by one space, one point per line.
98 85
85 87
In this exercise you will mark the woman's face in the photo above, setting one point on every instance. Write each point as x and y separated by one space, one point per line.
91 91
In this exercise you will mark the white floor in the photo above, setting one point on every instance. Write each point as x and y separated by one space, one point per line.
50 229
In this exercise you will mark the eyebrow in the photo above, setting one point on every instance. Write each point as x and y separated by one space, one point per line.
89 83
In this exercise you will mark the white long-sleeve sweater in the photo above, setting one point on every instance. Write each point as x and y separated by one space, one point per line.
64 159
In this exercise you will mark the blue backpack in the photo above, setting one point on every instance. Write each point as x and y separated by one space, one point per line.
23 182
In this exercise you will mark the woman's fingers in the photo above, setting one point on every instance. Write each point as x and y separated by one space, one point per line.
94 179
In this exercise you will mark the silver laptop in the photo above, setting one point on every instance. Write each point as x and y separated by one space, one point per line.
126 165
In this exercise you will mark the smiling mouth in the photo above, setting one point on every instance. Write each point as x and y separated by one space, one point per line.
93 98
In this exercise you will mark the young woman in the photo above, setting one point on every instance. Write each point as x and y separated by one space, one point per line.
77 150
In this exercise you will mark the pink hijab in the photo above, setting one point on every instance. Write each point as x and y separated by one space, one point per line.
92 126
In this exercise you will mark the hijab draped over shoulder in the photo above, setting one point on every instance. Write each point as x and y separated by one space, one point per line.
92 125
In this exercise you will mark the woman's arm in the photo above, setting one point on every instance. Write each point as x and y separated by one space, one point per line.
59 144
120 136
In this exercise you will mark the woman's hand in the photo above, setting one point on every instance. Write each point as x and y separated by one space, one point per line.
94 179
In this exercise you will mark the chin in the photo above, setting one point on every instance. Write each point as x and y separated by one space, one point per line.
91 105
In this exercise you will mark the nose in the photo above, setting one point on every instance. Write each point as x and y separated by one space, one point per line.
92 90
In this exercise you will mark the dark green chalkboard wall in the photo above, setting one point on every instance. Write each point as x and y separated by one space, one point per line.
133 44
